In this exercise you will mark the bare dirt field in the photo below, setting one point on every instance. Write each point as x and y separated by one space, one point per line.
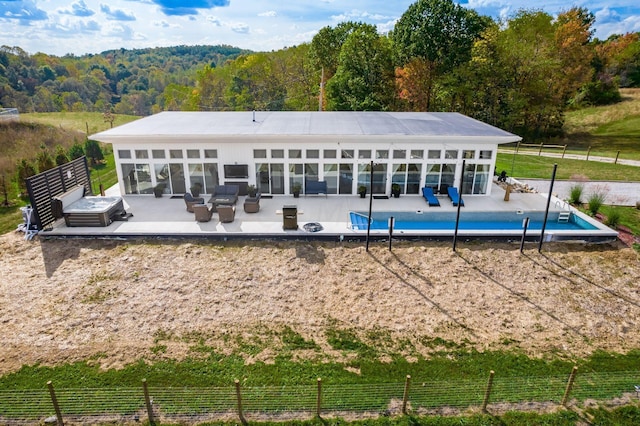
115 301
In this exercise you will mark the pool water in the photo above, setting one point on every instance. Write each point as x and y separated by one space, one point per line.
481 221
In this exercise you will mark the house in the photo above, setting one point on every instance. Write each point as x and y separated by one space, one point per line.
277 150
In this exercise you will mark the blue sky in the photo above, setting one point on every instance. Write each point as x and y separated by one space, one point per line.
59 27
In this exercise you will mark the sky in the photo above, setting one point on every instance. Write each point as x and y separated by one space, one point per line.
60 27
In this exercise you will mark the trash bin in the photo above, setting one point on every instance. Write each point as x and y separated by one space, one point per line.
290 217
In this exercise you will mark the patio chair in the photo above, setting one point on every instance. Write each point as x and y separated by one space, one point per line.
452 191
202 212
252 204
190 201
427 193
226 213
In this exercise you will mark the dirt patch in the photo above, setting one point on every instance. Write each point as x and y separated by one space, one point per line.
117 302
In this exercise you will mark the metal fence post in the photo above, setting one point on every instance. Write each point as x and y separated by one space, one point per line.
147 401
540 152
319 398
405 396
487 392
616 160
588 152
564 150
567 391
54 400
239 400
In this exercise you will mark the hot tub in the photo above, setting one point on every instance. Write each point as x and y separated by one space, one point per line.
93 211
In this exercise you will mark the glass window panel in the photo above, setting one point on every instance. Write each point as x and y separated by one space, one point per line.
447 177
193 153
399 176
382 154
432 177
399 153
451 154
124 153
210 153
469 173
414 171
329 153
157 153
345 183
295 153
331 177
417 154
469 154
143 173
142 153
364 153
296 176
259 153
175 153
130 180
435 153
277 153
486 154
211 178
162 177
196 176
313 153
346 153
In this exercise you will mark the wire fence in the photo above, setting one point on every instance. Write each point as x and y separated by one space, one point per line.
167 404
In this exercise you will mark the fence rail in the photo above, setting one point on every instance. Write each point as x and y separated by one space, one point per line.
9 114
306 401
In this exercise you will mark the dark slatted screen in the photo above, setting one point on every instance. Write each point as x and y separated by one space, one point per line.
46 185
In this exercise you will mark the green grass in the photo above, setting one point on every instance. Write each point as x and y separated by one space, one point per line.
534 167
629 216
87 122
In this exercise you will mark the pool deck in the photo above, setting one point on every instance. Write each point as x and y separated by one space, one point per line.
167 217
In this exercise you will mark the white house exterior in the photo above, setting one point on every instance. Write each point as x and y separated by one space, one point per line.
275 150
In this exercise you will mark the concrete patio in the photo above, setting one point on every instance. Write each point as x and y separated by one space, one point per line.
167 217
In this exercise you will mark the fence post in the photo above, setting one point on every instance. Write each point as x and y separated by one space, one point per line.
517 147
319 399
487 392
616 160
54 400
588 152
147 401
405 395
564 150
567 391
239 400
540 152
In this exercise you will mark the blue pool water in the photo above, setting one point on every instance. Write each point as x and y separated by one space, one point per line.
480 221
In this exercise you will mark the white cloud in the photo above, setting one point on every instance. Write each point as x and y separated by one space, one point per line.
240 28
269 13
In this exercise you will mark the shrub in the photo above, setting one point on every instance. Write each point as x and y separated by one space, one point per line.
613 218
595 201
575 194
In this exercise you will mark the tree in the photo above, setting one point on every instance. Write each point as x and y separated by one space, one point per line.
440 34
44 160
364 78
76 151
94 151
24 170
61 156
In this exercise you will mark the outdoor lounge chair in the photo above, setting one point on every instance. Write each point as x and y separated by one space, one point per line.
427 193
252 204
202 212
226 213
452 191
190 200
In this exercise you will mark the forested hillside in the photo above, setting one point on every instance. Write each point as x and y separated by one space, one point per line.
522 74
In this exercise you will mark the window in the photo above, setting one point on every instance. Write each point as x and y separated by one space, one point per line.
193 153
329 153
259 153
468 154
346 153
295 153
175 153
417 154
435 154
157 153
451 154
399 153
124 153
313 153
142 153
364 153
382 154
486 154
277 153
210 153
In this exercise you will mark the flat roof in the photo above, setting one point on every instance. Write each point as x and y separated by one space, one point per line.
296 123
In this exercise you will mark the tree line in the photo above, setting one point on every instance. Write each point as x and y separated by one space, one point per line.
520 74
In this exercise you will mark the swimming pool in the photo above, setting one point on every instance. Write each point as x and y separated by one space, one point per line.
469 221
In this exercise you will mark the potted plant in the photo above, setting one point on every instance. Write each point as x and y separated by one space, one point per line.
362 190
196 188
395 190
296 188
251 190
158 190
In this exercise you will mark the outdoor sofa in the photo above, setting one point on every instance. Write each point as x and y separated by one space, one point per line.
224 194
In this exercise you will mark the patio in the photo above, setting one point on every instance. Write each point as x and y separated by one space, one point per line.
168 217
